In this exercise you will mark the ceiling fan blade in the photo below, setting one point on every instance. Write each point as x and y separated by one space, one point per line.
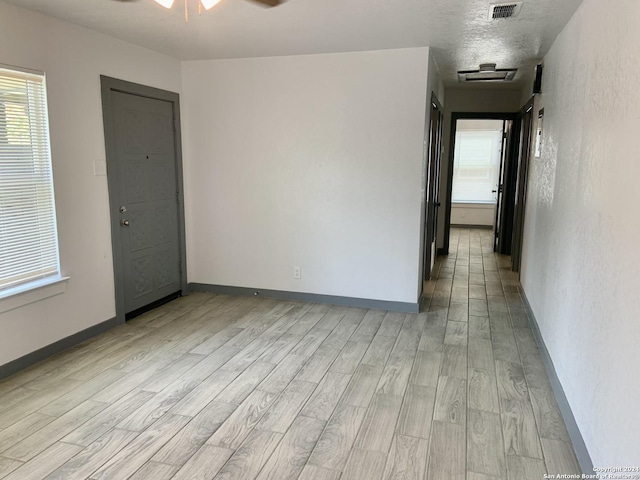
269 3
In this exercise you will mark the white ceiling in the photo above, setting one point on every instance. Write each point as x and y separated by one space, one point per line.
457 30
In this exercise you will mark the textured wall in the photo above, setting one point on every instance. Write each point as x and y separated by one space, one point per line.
312 161
581 255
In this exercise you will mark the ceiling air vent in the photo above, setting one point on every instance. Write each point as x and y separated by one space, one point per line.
504 10
487 73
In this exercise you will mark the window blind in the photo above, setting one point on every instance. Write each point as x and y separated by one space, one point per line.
28 237
476 168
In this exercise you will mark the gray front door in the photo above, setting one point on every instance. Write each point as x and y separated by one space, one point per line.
144 167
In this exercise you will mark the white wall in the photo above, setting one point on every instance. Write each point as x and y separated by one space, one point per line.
73 58
312 161
581 255
476 214
482 100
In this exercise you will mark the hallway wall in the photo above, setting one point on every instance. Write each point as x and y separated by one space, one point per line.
581 255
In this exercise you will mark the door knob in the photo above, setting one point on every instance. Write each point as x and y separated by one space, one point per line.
494 191
124 222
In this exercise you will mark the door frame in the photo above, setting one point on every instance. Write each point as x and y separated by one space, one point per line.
108 86
432 191
524 158
426 156
455 116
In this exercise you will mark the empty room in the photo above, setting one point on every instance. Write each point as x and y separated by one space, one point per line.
319 239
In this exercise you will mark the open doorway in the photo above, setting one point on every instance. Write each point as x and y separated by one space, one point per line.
476 172
485 146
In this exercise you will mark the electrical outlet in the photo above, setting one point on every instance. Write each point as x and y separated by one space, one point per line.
297 273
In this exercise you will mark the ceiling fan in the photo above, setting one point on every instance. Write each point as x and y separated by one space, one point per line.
207 4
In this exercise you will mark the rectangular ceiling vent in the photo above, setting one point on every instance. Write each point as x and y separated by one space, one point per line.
504 10
488 73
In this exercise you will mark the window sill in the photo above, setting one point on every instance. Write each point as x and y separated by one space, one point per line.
22 295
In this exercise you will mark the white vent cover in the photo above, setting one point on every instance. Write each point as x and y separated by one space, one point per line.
504 10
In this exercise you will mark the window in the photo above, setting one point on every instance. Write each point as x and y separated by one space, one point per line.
28 237
476 165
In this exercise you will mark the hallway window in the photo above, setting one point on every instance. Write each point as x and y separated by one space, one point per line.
476 161
28 236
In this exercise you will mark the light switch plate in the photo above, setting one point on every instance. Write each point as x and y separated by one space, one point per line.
99 167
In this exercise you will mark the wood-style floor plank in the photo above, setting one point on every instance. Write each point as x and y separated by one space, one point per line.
205 464
155 471
290 457
559 457
94 456
426 369
519 429
335 443
525 468
7 466
326 396
395 376
483 393
37 442
417 412
407 458
451 400
193 435
247 461
22 429
379 424
44 463
313 472
365 465
243 387
284 411
243 420
126 462
104 421
363 385
485 451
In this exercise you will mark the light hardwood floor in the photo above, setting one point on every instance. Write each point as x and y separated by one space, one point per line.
212 386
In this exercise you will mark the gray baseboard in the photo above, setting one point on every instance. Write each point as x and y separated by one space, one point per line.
45 352
579 447
308 297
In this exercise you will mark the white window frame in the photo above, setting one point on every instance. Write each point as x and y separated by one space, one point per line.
50 281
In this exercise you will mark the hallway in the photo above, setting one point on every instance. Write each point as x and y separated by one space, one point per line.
509 401
241 387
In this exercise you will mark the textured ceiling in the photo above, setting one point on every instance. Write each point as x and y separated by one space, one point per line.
457 30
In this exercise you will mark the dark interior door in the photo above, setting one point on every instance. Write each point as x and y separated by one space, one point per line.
433 186
524 154
145 171
500 187
507 188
